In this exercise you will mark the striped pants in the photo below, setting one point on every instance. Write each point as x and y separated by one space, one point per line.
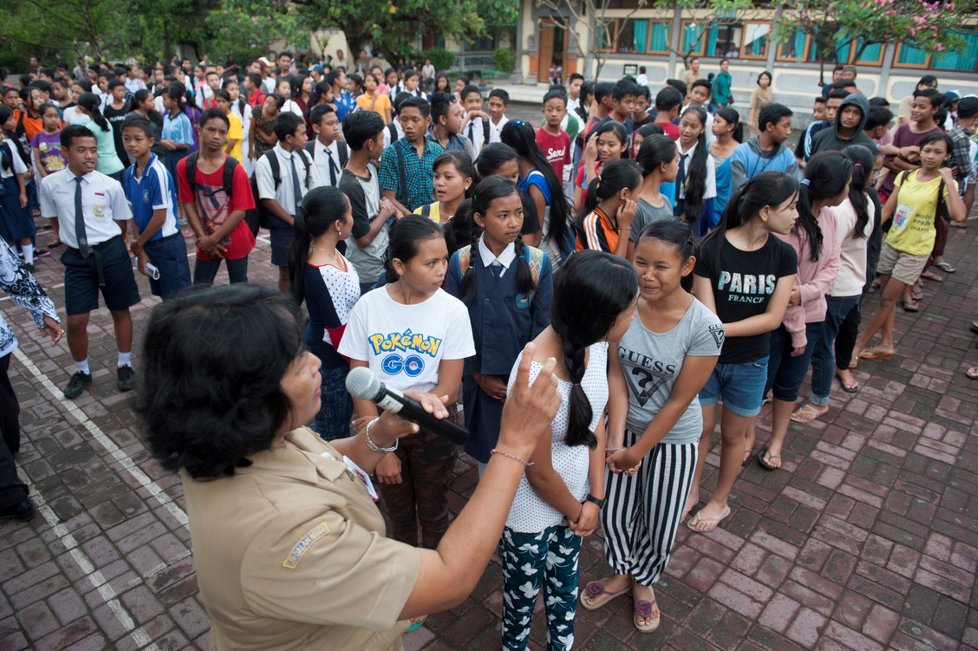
642 512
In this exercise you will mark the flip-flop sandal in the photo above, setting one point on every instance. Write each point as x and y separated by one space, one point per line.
416 624
872 353
764 463
917 294
945 266
696 519
807 408
851 388
974 326
972 373
594 590
643 610
910 306
930 275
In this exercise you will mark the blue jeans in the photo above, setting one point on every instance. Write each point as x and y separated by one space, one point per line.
336 406
823 358
739 386
786 373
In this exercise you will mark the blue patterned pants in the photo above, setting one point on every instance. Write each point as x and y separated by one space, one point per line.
336 406
546 559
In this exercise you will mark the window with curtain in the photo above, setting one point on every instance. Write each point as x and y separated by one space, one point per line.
873 54
822 46
755 40
626 37
692 40
728 40
605 36
911 56
793 48
964 59
640 29
713 41
659 40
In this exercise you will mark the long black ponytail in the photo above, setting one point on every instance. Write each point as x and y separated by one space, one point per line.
826 175
90 102
319 210
615 176
862 168
590 290
693 202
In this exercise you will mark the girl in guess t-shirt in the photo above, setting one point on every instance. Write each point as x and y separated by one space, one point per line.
744 275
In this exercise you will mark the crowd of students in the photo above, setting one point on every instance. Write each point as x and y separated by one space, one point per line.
680 275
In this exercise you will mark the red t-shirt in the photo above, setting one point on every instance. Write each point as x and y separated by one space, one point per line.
213 205
669 129
556 149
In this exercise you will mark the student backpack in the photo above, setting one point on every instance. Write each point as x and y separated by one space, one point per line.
534 257
227 180
259 217
392 130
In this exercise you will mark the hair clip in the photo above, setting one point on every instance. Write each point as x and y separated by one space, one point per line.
519 123
806 182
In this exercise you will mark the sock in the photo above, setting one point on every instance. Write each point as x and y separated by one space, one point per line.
28 253
125 359
83 367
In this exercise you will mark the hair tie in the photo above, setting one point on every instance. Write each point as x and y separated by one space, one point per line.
857 165
806 182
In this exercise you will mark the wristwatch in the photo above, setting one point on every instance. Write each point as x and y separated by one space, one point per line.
594 500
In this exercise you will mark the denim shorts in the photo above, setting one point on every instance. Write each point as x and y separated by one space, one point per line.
740 387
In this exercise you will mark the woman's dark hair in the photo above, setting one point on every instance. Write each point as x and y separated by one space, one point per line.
448 83
213 363
730 116
591 289
278 99
492 157
90 102
520 136
765 189
141 95
295 83
650 129
405 235
693 202
176 93
655 150
770 78
462 163
680 236
43 108
320 208
319 91
937 136
826 174
616 175
862 169
488 190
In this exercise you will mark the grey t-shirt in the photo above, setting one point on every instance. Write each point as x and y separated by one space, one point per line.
652 362
364 196
646 214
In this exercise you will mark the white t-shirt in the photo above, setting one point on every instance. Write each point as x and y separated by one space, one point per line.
530 513
405 344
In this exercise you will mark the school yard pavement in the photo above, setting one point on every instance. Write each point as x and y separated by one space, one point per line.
868 539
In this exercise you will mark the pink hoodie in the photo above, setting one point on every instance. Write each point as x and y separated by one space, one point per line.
814 278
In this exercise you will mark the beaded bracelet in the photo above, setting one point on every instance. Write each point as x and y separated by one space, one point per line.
370 442
511 456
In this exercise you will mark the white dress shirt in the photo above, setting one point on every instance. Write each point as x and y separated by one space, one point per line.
321 161
284 194
489 258
103 204
496 129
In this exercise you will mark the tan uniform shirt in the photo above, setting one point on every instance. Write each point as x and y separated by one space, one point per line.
291 553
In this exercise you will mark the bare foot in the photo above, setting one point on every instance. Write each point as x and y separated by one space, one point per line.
808 412
846 379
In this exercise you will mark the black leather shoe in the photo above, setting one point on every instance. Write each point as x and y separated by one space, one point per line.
78 382
23 510
124 379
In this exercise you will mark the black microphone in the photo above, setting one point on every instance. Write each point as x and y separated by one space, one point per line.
363 384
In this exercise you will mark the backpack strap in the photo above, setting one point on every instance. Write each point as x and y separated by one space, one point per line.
426 210
392 130
485 132
229 166
535 259
276 170
402 173
308 163
311 148
463 261
344 153
191 170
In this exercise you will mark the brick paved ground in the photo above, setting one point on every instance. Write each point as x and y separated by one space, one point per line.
868 539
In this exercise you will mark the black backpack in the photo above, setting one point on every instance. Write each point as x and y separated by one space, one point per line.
259 217
230 164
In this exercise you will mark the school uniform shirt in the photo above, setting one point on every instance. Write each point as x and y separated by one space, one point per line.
321 161
291 106
404 344
743 283
214 206
291 553
284 194
364 196
711 172
476 131
152 191
530 513
12 164
496 129
597 232
398 129
913 231
236 133
416 172
556 149
178 129
813 278
103 204
652 362
25 291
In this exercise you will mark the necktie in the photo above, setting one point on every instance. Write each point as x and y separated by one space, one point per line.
296 187
681 176
332 168
497 268
80 233
472 132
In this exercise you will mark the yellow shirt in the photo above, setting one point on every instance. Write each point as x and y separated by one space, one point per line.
235 132
290 553
434 211
913 230
380 104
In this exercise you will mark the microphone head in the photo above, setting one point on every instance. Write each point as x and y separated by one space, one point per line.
363 384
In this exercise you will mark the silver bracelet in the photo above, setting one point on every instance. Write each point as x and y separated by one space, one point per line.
370 442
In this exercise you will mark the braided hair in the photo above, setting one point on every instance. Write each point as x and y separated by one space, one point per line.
492 188
591 290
